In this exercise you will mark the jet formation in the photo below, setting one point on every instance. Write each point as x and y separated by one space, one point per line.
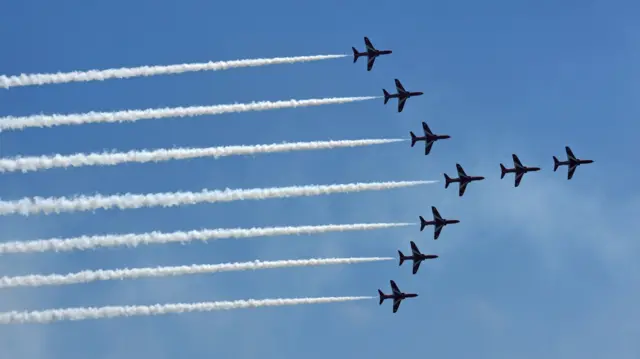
429 138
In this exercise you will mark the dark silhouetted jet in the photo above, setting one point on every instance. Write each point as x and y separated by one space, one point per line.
438 222
518 169
429 138
402 95
572 161
415 256
463 179
371 53
396 295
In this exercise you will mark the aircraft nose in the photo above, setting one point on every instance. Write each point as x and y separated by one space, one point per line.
420 93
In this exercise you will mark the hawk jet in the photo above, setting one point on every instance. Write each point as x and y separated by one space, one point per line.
402 95
463 179
396 295
416 257
438 222
572 161
518 169
429 138
371 53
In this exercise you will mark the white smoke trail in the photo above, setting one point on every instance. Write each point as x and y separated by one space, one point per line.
53 315
36 163
134 240
128 72
27 206
37 280
19 123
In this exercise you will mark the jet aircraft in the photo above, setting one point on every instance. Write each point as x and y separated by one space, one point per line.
438 222
463 179
429 138
572 161
402 95
415 256
518 169
396 295
370 52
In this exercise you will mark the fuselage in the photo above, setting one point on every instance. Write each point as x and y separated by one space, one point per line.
575 163
424 256
443 222
467 179
405 295
432 137
375 53
522 170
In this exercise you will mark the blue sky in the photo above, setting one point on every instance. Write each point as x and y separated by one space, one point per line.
548 269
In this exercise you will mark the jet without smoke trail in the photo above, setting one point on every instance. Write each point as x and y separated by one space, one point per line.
37 280
28 206
128 72
134 240
20 123
37 163
54 315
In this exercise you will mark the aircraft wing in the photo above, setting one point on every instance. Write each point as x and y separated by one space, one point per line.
414 249
463 187
461 172
516 162
416 266
427 147
401 102
394 287
436 214
436 231
396 304
368 44
572 169
570 155
399 86
426 129
519 178
370 63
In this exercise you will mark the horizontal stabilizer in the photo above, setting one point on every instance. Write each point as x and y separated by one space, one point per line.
423 223
447 181
413 139
355 54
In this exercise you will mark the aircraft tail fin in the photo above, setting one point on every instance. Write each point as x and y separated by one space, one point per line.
503 171
402 258
447 181
382 298
423 223
386 96
356 55
556 163
413 139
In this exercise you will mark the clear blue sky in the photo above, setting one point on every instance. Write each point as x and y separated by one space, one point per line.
547 270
